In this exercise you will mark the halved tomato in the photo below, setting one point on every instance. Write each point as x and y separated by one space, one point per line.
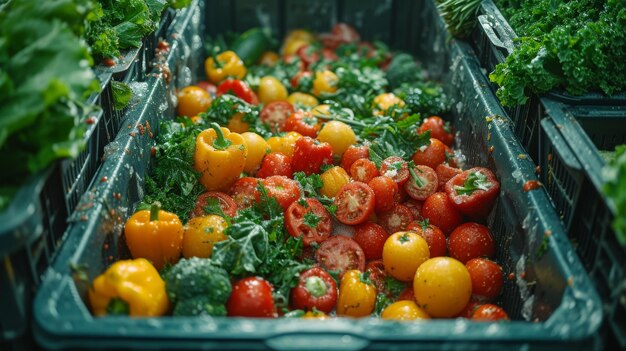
355 203
228 205
244 192
283 189
276 113
395 168
311 222
340 254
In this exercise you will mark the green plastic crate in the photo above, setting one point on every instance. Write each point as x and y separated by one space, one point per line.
551 299
571 142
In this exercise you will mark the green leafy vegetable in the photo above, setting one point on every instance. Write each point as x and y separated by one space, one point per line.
403 69
424 98
460 15
615 188
121 94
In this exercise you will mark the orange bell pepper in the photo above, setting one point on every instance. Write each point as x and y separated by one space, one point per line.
154 235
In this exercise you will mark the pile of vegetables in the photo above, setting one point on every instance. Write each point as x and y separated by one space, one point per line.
309 185
45 78
577 45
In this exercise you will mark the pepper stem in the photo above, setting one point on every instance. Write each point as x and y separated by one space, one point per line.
118 307
154 211
220 143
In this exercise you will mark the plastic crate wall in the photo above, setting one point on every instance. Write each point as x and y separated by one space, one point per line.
571 165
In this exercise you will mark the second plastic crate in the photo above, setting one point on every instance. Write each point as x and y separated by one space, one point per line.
573 141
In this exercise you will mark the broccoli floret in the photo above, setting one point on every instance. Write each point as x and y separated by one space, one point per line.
197 287
403 69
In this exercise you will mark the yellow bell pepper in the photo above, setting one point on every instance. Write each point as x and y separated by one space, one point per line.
220 157
357 295
154 235
129 287
334 179
225 65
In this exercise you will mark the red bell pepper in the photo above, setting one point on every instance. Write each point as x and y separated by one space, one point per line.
238 88
474 192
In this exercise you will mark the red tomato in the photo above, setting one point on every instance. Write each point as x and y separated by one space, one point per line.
445 173
371 237
363 170
315 289
489 312
416 208
352 154
376 268
340 254
309 155
227 204
302 123
434 237
385 190
244 192
469 309
395 220
438 129
276 113
471 240
311 222
355 203
431 155
275 163
251 297
208 86
422 183
283 189
303 80
487 278
474 192
291 59
441 212
395 168
346 33
238 88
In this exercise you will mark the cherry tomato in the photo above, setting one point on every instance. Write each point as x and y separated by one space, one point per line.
404 310
325 82
284 144
395 168
355 203
193 100
376 269
309 54
487 278
302 100
283 189
385 190
422 183
403 253
275 163
357 296
407 294
434 237
489 312
469 309
341 34
251 297
471 240
340 254
352 154
226 203
311 222
415 207
268 58
396 219
441 212
363 170
445 173
386 104
208 87
303 80
276 113
334 179
244 192
303 123
309 155
474 192
371 237
201 234
339 135
271 89
431 155
236 124
238 88
257 149
316 289
442 287
439 129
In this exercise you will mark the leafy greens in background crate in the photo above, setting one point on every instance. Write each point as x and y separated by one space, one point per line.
119 25
615 175
44 82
